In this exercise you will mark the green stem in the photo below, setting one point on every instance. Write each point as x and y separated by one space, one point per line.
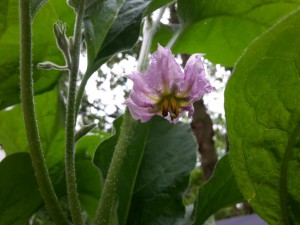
174 38
80 92
70 122
149 30
33 138
109 197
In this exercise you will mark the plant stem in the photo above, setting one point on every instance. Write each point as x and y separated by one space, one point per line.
80 92
149 30
32 132
70 122
109 197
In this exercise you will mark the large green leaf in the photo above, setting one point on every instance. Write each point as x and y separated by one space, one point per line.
99 16
50 115
262 106
156 4
169 157
124 32
223 29
19 195
89 182
218 192
44 47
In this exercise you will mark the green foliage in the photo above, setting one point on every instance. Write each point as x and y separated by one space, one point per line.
89 186
44 48
124 32
19 195
156 4
218 192
50 114
223 29
3 15
163 36
86 146
99 17
169 157
111 27
167 161
262 113
119 36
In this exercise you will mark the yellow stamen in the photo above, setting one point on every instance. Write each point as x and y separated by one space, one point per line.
165 108
170 105
174 107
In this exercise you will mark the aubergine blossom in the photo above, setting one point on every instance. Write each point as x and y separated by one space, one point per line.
165 89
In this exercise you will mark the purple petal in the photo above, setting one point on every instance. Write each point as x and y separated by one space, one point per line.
195 84
164 71
142 95
137 112
190 109
140 84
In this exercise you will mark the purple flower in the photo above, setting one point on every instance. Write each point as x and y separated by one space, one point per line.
165 89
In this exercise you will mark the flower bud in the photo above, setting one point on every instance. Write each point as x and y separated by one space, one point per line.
50 66
62 40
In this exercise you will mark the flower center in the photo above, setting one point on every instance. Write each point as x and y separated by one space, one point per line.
170 105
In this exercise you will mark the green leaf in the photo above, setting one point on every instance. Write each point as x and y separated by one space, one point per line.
99 16
103 156
44 48
223 29
3 15
84 130
263 119
162 36
86 146
156 4
218 192
169 157
19 195
89 186
50 115
12 135
124 32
